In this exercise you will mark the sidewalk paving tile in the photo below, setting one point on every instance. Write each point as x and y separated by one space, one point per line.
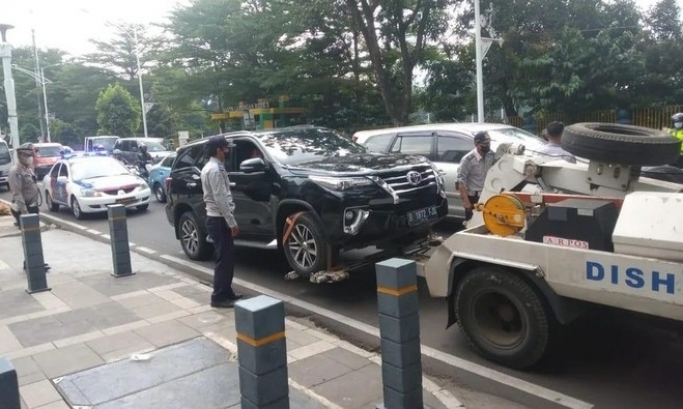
55 405
67 360
105 315
167 333
17 302
39 393
194 294
110 286
155 309
116 342
8 342
347 358
207 319
27 370
47 329
78 295
361 388
317 369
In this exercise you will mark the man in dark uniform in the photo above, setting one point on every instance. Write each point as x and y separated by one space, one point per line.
220 220
26 198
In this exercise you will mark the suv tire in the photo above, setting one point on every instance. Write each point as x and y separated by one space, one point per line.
193 238
305 247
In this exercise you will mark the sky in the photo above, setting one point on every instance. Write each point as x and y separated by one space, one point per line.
69 24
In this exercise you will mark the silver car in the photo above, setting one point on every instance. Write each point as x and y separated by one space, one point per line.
444 145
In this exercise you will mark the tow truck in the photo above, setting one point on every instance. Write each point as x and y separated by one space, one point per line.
550 240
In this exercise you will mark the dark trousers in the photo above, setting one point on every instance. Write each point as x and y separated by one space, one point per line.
220 233
470 212
31 210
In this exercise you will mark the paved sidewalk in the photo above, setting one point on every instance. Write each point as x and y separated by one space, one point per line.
91 319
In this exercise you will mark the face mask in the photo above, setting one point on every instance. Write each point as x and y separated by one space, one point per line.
678 125
26 160
485 148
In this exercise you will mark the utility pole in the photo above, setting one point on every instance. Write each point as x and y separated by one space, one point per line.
6 54
479 57
38 85
142 90
47 117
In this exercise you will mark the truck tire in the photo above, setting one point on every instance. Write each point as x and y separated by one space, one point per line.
502 317
621 144
305 247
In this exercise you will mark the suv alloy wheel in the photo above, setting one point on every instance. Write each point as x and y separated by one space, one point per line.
305 247
193 238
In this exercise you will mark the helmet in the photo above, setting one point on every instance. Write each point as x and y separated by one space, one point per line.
143 147
116 153
677 120
99 147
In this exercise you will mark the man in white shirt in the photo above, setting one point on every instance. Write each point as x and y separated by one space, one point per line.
554 146
220 220
472 172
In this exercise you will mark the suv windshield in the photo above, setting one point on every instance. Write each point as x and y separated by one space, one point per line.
516 135
97 168
298 146
154 146
108 143
48 151
5 157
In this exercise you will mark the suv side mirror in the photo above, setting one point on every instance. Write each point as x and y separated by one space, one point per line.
253 165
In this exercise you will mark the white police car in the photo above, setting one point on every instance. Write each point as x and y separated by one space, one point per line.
88 184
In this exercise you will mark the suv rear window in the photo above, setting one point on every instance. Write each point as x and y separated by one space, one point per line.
48 151
5 157
188 157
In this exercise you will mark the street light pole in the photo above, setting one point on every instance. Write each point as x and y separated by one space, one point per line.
478 56
142 91
47 118
6 54
38 79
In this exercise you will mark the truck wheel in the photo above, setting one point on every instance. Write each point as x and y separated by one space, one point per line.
193 238
622 144
305 246
502 317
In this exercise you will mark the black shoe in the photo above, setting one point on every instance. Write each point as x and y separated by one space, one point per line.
223 304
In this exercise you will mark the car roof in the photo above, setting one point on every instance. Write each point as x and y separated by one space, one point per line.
468 127
46 144
75 159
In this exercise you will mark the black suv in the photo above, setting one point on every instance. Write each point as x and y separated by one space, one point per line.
310 192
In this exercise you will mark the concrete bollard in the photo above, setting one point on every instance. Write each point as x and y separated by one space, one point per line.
262 353
120 250
399 327
33 253
9 386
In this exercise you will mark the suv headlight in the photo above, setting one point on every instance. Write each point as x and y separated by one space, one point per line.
335 183
440 181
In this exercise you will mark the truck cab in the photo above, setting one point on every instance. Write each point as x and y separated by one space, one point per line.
107 141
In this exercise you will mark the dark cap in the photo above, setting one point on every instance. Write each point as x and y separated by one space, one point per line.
482 137
216 142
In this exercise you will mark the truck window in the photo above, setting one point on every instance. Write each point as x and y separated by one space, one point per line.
5 157
379 143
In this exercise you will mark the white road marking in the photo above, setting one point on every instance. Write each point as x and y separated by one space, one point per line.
145 250
56 220
106 236
472 367
91 231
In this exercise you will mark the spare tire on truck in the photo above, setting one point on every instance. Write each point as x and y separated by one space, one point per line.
621 144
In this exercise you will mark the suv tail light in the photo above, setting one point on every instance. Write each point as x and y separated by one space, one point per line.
167 184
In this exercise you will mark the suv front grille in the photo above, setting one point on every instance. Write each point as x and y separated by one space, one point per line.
403 185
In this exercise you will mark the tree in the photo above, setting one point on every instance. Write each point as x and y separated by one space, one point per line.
117 112
387 26
119 53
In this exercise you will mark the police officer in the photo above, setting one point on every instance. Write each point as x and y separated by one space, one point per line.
220 220
472 172
26 198
677 132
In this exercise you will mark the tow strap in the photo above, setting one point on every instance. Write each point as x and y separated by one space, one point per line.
291 221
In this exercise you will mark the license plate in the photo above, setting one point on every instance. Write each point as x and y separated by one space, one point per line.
422 216
125 201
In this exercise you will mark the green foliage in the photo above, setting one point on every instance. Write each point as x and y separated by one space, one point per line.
117 112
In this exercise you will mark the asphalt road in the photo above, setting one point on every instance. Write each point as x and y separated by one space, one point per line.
610 359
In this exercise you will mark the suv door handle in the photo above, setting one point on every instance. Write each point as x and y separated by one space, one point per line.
196 177
233 184
191 184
